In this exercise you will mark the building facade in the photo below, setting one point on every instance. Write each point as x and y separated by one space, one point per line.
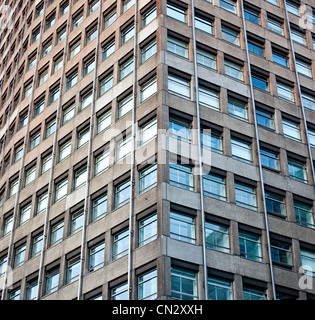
157 149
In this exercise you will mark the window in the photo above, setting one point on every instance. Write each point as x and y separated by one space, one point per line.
250 246
211 140
102 162
72 80
178 47
89 66
265 118
293 8
127 4
73 269
39 107
209 98
110 18
256 45
233 70
106 83
56 235
253 294
206 59
91 35
126 68
214 186
285 92
61 190
52 280
148 178
183 284
120 292
274 2
77 20
61 34
86 99
217 237
304 67
54 94
291 129
47 47
275 204
80 177
179 129
42 202
148 16
3 265
99 207
19 152
308 101
181 176
260 81
43 77
269 159
275 25
50 21
109 49
23 120
148 50
148 131
31 289
280 57
14 294
304 214
252 14
35 139
147 286
124 148
203 24
75 49
8 225
241 150
65 150
176 12
229 5
281 253
104 121
96 255
179 86
147 230
93 6
125 106
122 194
219 289
28 89
50 127
68 113
308 261
19 255
46 163
182 227
83 136
298 36
230 35
36 34
127 33
30 175
237 109
120 244
37 245
297 170
13 187
31 62
64 8
245 196
76 223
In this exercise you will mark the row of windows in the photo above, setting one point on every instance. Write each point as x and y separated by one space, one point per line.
182 227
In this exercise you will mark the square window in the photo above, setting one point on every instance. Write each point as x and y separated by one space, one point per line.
297 170
214 186
206 59
148 89
127 33
183 284
237 109
241 150
181 176
148 50
148 16
233 70
219 289
217 237
231 36
245 196
147 230
250 246
204 24
77 20
228 5
176 12
110 18
179 86
177 47
120 292
291 129
182 227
